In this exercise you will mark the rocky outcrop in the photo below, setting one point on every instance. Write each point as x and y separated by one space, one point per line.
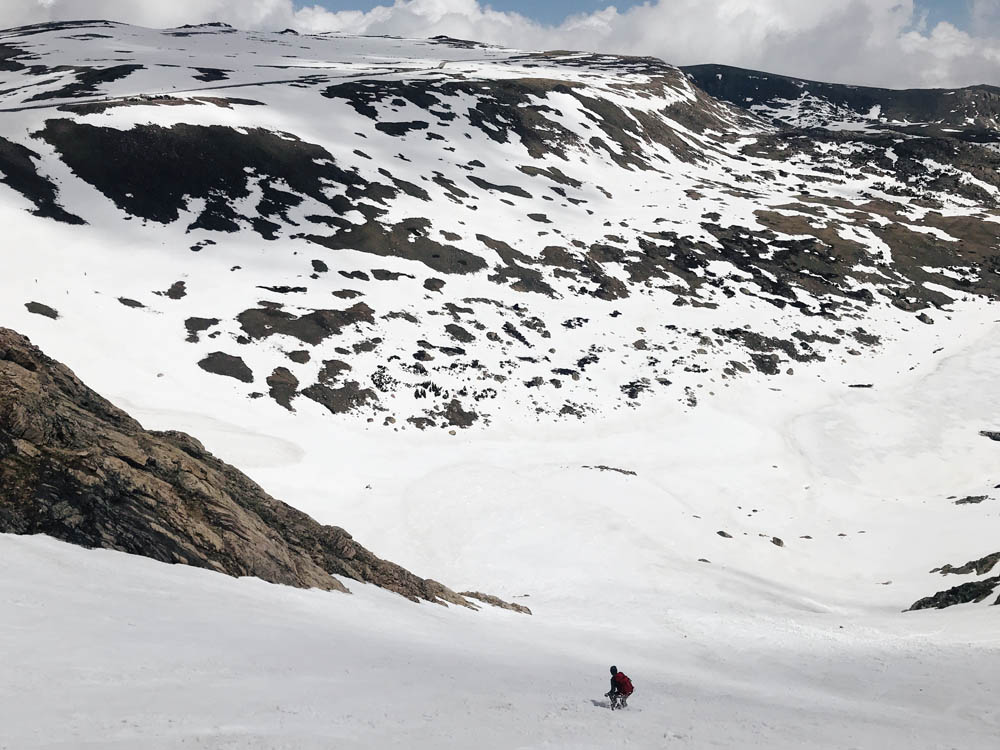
496 602
980 567
75 467
978 106
974 591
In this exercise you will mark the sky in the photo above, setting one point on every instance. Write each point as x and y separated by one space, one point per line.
895 43
955 12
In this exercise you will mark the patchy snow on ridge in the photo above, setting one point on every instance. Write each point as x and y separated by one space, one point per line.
437 234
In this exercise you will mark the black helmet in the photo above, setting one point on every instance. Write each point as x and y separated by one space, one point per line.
614 670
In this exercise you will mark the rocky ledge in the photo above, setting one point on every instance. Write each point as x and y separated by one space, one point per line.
77 468
964 593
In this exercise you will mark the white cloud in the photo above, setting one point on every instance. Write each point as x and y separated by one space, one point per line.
879 42
986 16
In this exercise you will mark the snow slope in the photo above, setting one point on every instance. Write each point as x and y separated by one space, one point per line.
747 280
169 657
799 646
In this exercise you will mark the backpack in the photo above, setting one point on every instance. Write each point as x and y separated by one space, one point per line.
623 683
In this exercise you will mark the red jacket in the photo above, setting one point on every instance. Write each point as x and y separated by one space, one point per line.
620 683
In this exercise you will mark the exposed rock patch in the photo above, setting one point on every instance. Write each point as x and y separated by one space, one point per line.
310 328
965 593
626 472
284 386
39 309
18 170
195 326
980 567
220 363
177 290
972 500
494 601
348 397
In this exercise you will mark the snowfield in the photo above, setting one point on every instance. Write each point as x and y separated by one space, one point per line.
105 652
702 394
801 646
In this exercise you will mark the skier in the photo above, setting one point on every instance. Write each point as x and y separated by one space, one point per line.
621 689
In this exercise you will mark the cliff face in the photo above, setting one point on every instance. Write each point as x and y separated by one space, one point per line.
75 467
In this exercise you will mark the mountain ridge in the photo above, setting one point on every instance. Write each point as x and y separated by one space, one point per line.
468 189
802 102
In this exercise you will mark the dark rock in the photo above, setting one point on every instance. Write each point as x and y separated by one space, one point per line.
220 363
197 325
974 591
400 128
509 189
131 302
359 275
86 81
312 328
980 567
18 170
407 239
457 416
972 500
284 289
601 467
331 370
381 274
496 602
215 163
724 535
177 290
459 334
39 309
284 386
750 88
210 75
349 397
